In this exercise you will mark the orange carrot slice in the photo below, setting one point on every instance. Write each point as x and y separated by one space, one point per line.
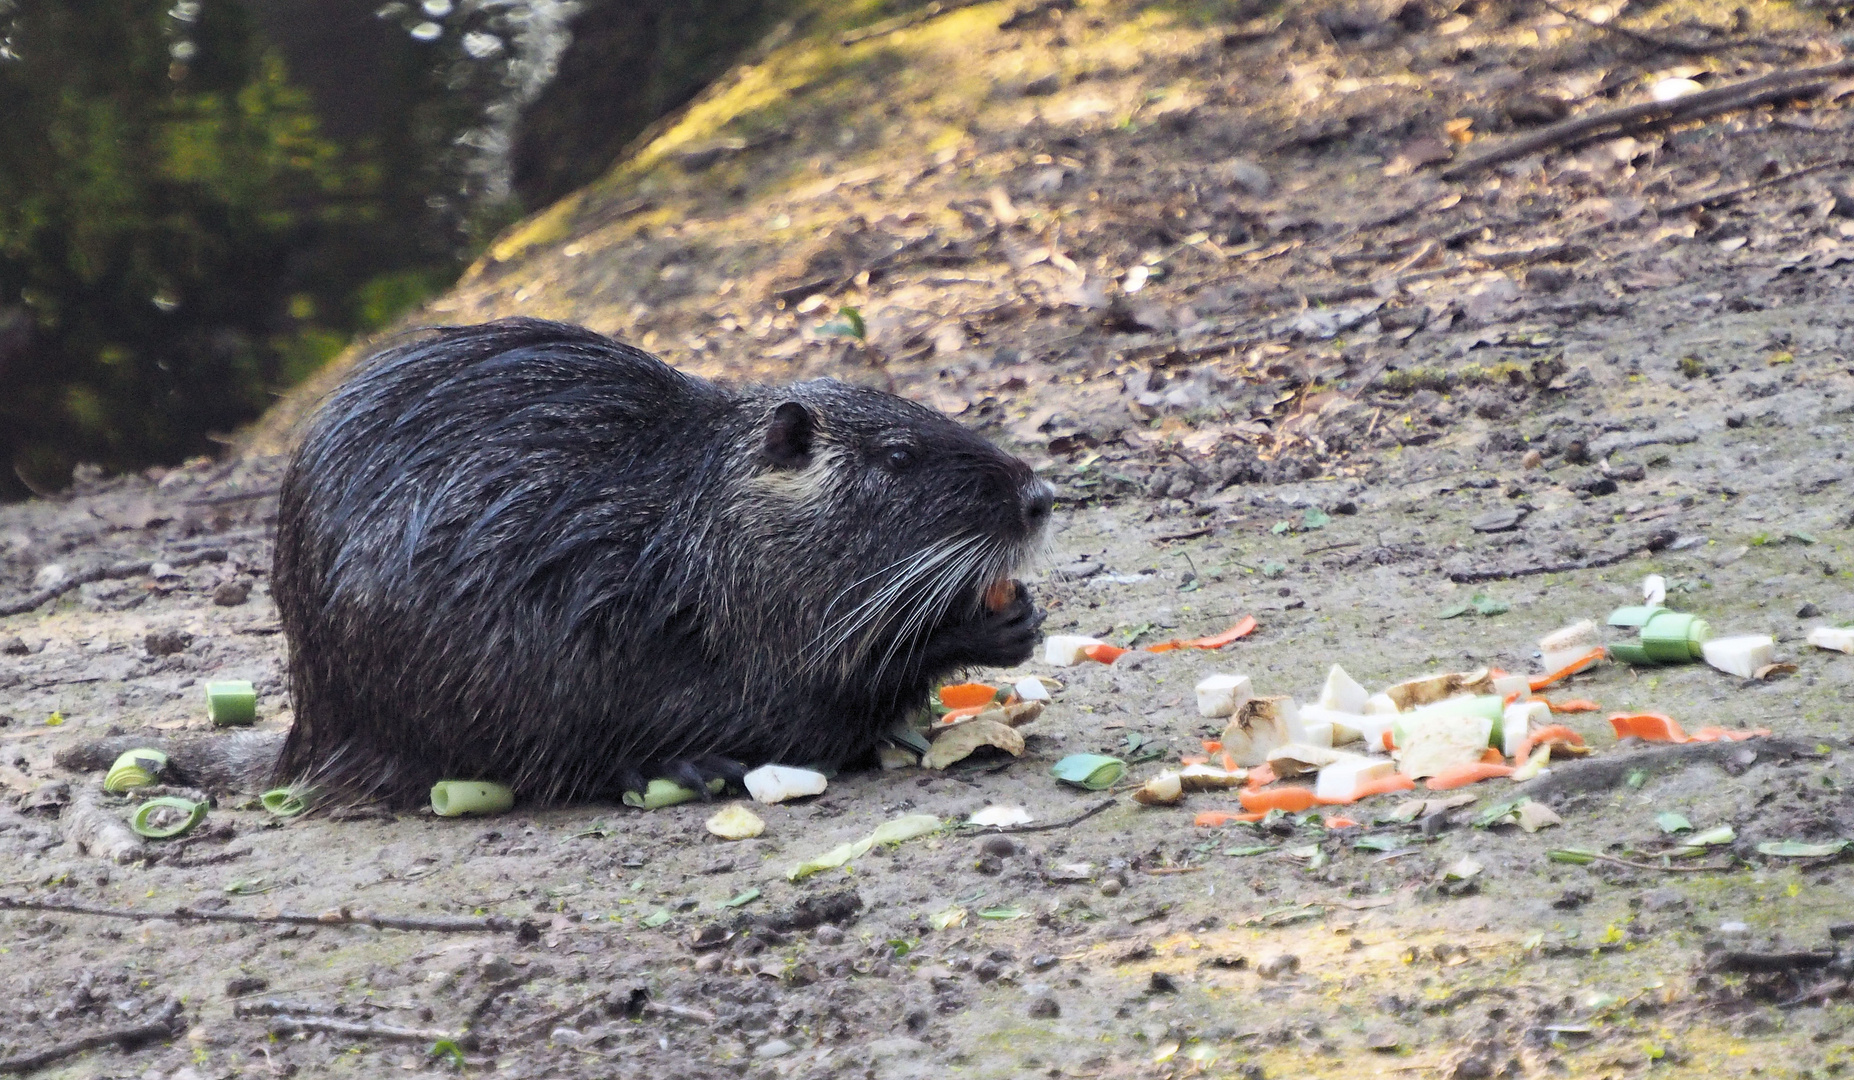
1383 785
1568 670
1261 776
1555 735
952 716
1213 746
966 695
1649 727
1229 761
1243 628
1573 705
1463 775
1291 799
1338 822
1210 819
1490 756
1105 654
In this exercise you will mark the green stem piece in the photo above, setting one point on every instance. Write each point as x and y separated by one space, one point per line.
144 823
232 703
136 768
455 798
663 792
285 801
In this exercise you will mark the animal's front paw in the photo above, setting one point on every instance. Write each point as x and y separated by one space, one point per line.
1007 634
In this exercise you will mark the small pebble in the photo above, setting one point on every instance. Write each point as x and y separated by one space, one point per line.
1111 887
1807 611
1044 1008
1001 846
166 642
1276 966
14 646
828 935
1532 459
773 1048
232 593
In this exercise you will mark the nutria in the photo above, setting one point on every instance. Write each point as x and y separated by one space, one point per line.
525 552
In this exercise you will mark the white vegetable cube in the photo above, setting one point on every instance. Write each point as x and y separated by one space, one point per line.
1517 723
1380 705
1579 637
1317 733
1342 725
777 783
1222 695
1741 655
1370 729
1838 638
1342 692
1654 590
1260 726
1031 689
1067 650
1508 685
1341 780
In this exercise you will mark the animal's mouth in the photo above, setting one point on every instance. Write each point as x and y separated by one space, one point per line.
1000 594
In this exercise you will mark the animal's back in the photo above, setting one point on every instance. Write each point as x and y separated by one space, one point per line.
444 508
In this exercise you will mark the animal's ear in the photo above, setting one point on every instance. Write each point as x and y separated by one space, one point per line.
789 435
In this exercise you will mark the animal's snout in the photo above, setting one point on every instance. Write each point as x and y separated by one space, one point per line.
1039 499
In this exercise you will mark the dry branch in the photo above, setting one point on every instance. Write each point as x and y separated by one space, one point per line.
95 831
100 573
1612 769
290 1025
491 924
1777 86
164 1026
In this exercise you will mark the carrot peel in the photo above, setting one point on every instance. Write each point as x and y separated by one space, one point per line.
952 716
966 695
1243 628
1568 670
1463 775
1649 727
1291 799
1210 819
1104 654
1555 735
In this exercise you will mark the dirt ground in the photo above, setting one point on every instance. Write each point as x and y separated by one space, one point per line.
1352 433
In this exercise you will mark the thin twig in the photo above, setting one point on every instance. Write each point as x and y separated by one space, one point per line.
1470 577
99 573
1719 198
161 1027
680 1012
289 1025
492 924
1674 45
1652 866
1063 824
1801 82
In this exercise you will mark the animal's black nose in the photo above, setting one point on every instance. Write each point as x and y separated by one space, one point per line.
1039 501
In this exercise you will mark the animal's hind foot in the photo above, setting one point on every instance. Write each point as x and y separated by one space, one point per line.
695 773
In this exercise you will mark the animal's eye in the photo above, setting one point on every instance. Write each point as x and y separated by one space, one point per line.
898 459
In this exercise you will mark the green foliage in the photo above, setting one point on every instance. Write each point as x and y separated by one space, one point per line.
178 237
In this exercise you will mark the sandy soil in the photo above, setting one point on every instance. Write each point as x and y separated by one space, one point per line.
1668 398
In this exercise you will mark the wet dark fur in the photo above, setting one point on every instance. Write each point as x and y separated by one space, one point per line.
524 552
